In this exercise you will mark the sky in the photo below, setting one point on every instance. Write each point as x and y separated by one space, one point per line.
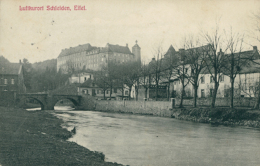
41 35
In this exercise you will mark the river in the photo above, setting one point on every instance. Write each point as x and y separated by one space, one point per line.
155 141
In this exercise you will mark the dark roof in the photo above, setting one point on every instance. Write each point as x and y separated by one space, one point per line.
250 67
88 47
86 84
73 50
116 48
251 54
171 51
11 68
253 67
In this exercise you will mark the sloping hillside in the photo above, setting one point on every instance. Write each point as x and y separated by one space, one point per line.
3 60
41 66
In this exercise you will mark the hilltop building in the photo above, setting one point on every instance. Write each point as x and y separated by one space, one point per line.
94 58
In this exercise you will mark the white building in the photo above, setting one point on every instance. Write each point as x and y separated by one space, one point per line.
245 84
81 77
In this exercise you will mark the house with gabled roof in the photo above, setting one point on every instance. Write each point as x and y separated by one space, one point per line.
11 81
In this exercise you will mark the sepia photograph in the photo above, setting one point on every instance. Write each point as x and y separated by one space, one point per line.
129 83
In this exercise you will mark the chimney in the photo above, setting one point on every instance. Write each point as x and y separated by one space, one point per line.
20 61
153 59
126 45
255 48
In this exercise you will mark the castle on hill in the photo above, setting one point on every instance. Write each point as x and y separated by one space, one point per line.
94 58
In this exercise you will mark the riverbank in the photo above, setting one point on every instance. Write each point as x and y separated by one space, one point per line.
37 138
219 116
216 116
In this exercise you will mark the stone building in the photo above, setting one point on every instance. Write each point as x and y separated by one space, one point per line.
94 58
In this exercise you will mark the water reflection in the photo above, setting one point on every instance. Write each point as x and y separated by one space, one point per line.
146 140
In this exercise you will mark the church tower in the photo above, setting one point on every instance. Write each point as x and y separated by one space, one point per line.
136 50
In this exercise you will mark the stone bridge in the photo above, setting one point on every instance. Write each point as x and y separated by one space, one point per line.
48 102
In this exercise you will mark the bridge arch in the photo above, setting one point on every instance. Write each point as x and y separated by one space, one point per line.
48 101
75 102
34 98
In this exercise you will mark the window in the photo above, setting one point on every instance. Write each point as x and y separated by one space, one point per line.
202 80
97 91
202 93
115 90
186 70
126 93
5 81
211 79
221 79
107 91
85 91
85 78
12 81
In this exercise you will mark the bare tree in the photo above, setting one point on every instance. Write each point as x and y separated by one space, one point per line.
131 74
101 79
182 74
170 63
156 69
214 59
235 60
195 58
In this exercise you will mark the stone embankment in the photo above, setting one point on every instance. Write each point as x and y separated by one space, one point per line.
216 116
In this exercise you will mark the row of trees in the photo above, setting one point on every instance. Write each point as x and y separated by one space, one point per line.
198 58
222 55
117 75
42 80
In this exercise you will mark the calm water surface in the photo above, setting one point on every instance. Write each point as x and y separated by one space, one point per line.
154 141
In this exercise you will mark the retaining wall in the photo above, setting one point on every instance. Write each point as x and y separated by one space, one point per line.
157 108
162 108
220 115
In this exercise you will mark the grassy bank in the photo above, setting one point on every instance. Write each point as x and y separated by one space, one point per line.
219 116
37 138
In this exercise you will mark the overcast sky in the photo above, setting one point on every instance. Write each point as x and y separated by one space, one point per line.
41 35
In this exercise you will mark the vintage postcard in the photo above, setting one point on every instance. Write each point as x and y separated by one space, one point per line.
129 82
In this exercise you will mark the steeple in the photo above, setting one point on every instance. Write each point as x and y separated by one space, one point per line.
136 50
